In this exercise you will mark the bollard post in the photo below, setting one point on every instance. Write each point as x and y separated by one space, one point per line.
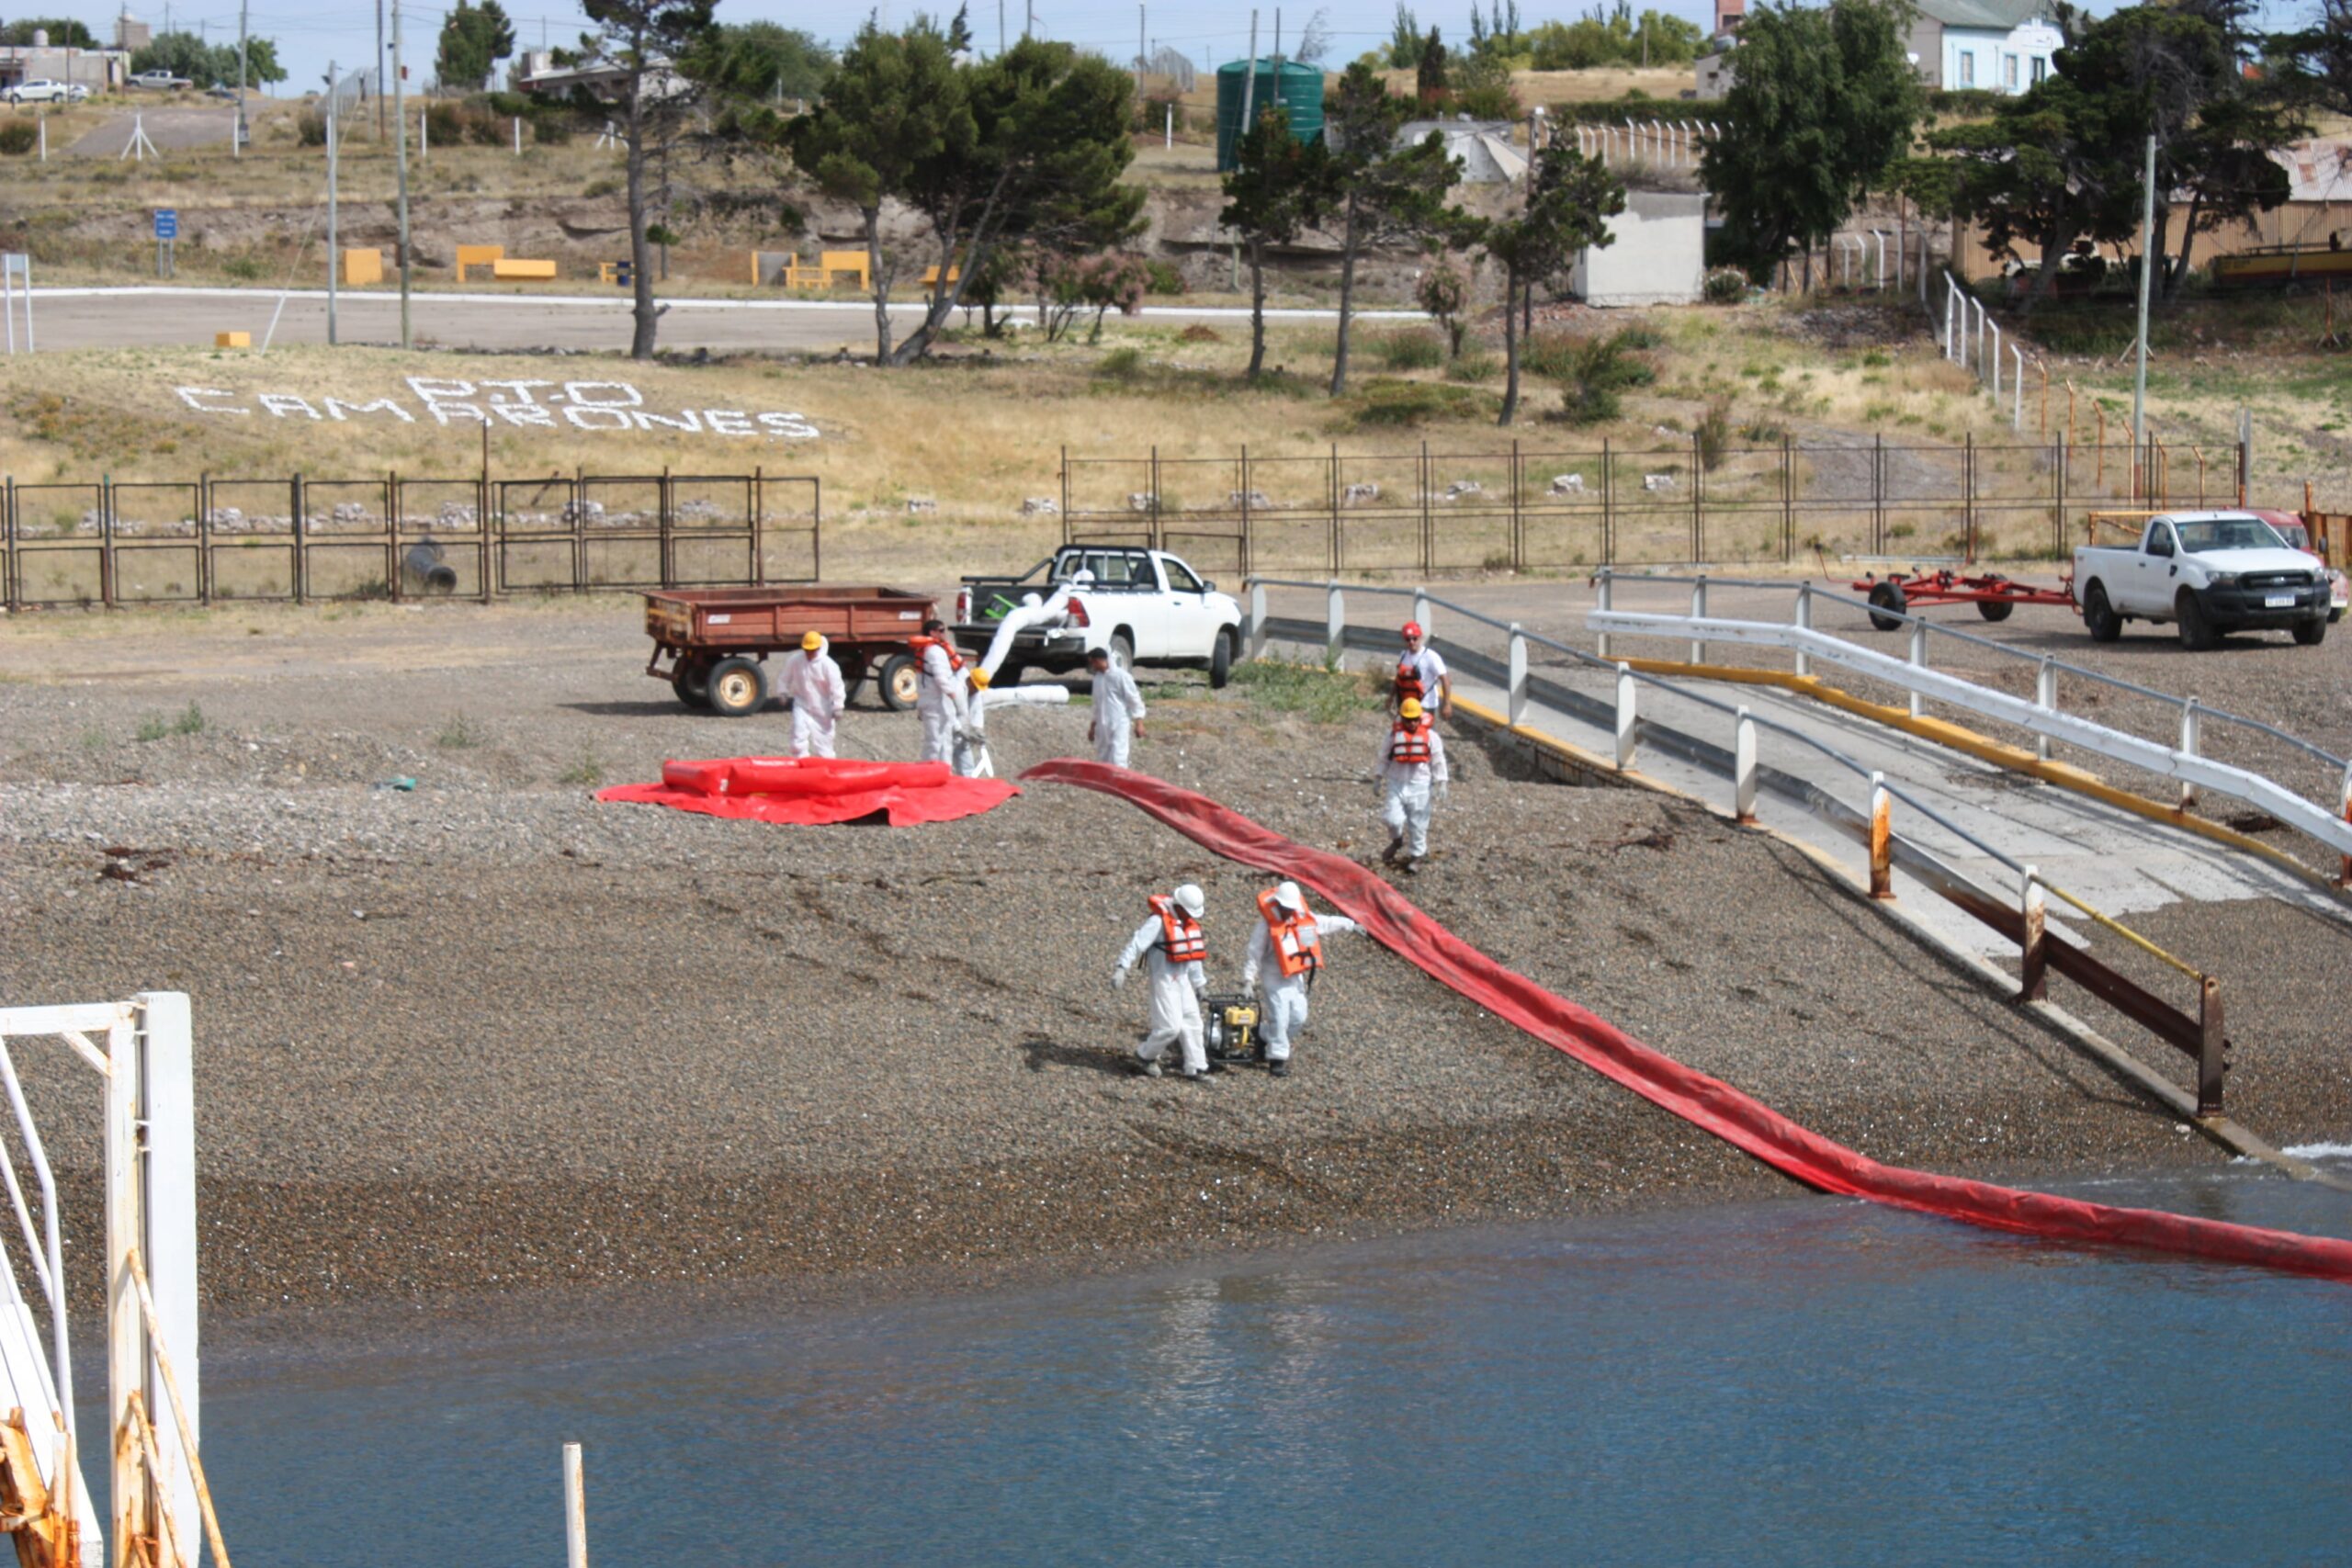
575 1509
2190 725
1600 643
1743 768
2034 983
1516 707
2045 697
1804 623
1335 627
1624 718
1257 640
2212 1046
1882 840
1421 615
1919 660
1698 612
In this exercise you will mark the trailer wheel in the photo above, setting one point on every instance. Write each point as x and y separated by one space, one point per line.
738 686
900 682
1994 609
692 682
1887 597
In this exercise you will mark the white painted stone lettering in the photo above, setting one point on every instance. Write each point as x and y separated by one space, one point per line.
188 395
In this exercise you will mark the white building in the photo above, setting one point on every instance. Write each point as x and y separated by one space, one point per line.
1994 46
1656 255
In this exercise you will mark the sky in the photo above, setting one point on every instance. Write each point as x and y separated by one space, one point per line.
344 31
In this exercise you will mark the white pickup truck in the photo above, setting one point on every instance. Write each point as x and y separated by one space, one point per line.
1143 607
2207 572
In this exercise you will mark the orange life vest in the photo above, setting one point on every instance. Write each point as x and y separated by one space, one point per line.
922 645
1180 935
1409 744
1299 947
1408 678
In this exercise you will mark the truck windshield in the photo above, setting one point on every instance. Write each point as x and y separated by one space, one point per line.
2228 534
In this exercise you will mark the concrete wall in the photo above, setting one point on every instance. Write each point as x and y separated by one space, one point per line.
2001 62
1658 256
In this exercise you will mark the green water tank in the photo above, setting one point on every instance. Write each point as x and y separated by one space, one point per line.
1298 88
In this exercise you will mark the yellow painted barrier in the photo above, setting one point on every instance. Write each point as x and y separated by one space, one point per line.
519 268
233 340
478 256
362 267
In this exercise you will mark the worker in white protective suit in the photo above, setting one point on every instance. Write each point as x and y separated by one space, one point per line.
1286 950
972 760
1118 709
1174 953
939 702
814 683
1412 771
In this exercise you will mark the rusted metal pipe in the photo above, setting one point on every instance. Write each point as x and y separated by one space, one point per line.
1881 839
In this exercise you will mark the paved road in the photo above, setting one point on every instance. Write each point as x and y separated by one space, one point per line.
146 317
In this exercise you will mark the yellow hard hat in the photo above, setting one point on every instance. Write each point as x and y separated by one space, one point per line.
1410 707
980 679
811 641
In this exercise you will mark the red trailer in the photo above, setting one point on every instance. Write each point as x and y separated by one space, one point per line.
718 640
1994 595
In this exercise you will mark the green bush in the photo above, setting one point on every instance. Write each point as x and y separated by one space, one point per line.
1478 366
310 128
1599 371
1389 404
445 124
1725 286
1551 355
1161 277
1713 431
1121 365
19 137
1407 351
551 128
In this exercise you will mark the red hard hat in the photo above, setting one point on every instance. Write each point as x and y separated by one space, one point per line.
1412 628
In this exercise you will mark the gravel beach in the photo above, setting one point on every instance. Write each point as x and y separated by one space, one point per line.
490 1035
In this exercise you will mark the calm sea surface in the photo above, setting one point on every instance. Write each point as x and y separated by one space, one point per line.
1809 1381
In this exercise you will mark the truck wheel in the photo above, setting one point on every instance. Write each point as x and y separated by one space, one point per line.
738 686
692 682
2099 618
1009 673
1122 651
1221 660
1994 609
2196 627
900 682
1887 597
2311 633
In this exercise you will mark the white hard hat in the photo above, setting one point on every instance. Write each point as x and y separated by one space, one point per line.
1289 897
1081 575
1189 899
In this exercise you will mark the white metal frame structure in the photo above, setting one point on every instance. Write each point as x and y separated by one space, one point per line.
142 1050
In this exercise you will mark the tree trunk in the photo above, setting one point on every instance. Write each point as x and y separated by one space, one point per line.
640 252
1257 310
2176 270
1511 348
1347 299
881 282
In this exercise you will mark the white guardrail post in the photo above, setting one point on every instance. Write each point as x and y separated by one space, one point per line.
2017 388
1421 615
2034 985
1335 626
2045 697
1256 640
1743 768
1804 623
1600 643
2188 732
1919 660
1624 718
1881 839
1699 612
1516 707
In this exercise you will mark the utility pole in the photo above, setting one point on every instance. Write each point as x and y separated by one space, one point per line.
2147 265
400 122
1143 55
999 28
1248 99
380 72
334 252
1029 19
237 138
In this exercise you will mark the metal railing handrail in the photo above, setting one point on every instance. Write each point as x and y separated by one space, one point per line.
1806 590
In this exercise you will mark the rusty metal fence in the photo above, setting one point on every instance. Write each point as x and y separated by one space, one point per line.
397 536
1526 506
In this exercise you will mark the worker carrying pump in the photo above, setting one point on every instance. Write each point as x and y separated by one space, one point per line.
1118 709
1174 951
972 760
939 691
1287 949
814 683
1411 768
1421 675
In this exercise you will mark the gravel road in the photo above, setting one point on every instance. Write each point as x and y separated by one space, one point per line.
489 1034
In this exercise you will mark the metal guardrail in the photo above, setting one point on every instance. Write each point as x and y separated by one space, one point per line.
2016 916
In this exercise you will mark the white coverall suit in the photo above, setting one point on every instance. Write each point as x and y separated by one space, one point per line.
1117 706
1176 992
940 704
971 760
1285 994
814 683
1406 790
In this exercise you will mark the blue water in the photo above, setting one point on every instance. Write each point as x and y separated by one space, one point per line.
1809 1381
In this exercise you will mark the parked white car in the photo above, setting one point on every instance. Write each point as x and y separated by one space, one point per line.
41 90
1143 607
2208 573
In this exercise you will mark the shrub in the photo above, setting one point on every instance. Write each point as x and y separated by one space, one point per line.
19 137
1725 286
443 123
602 185
1152 114
310 128
1475 366
1551 355
249 270
1713 431
552 129
1121 365
1390 404
1444 293
1600 370
1407 351
1162 278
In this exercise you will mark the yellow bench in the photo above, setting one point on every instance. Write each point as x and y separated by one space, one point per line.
479 255
518 268
362 267
832 267
931 277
